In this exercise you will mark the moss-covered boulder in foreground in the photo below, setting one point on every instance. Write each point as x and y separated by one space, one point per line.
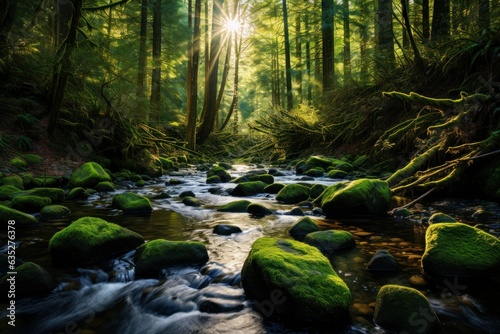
6 191
31 280
22 219
456 249
303 227
363 197
293 194
151 257
294 281
330 241
132 203
88 240
249 188
400 309
55 211
88 175
30 204
235 206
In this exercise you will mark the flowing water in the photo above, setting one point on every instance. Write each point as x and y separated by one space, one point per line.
105 298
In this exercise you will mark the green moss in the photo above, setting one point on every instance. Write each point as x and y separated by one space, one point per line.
31 281
105 186
315 172
258 210
32 159
456 249
360 160
46 181
166 164
54 212
319 161
88 240
191 201
151 257
301 167
18 163
220 172
27 179
400 309
213 179
293 194
77 193
336 174
302 227
330 240
274 188
140 183
249 188
363 197
235 206
13 180
316 190
311 289
30 204
22 219
132 203
88 175
266 178
441 218
6 191
135 178
55 194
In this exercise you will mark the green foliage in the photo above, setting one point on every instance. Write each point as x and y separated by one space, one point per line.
24 143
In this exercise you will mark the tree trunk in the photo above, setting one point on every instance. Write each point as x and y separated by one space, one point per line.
141 72
484 15
404 31
298 54
308 61
156 73
233 109
440 19
347 42
62 68
328 40
418 60
8 9
425 21
364 41
288 66
385 45
192 82
209 104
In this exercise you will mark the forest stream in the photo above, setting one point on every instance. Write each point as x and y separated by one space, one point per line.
106 298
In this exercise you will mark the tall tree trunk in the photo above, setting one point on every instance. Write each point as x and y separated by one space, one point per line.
308 61
385 45
288 65
440 19
426 33
8 9
327 11
298 54
62 68
484 15
404 32
156 73
64 12
192 83
418 60
225 72
209 104
364 41
141 72
347 42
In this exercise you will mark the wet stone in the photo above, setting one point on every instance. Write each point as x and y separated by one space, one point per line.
226 229
219 305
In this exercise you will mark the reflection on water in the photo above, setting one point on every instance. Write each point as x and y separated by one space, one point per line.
105 298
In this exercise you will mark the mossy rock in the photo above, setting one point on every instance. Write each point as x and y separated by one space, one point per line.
6 191
402 213
88 240
213 179
220 172
382 261
140 183
439 217
13 180
274 188
157 254
225 165
27 179
235 206
31 280
330 241
400 309
302 227
456 249
187 193
360 160
258 210
32 159
319 161
55 211
88 175
191 201
301 167
250 188
336 174
297 280
226 229
18 163
293 194
47 181
123 174
30 204
316 190
266 178
77 193
135 178
363 197
105 186
315 172
55 194
341 165
22 219
132 203
166 164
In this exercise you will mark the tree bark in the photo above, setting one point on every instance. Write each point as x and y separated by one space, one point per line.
484 15
347 42
440 19
288 66
418 59
425 21
298 54
328 40
234 103
8 9
141 72
156 73
192 78
385 35
308 61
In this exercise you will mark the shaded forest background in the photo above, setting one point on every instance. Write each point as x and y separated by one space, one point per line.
125 81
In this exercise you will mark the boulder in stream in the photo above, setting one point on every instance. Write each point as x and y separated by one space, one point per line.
439 217
302 227
400 309
22 219
220 172
55 194
31 280
54 211
258 210
460 250
29 203
90 239
157 254
226 229
293 194
6 190
250 188
88 175
132 203
105 186
330 241
382 261
235 206
363 197
294 281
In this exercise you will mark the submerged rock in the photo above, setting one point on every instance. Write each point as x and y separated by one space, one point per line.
456 249
294 281
382 260
302 227
400 309
54 212
330 241
293 194
363 197
226 229
132 203
31 280
151 257
258 210
191 201
22 219
439 217
88 240
235 206
88 175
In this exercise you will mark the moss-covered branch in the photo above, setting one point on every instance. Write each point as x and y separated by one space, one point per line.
429 101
